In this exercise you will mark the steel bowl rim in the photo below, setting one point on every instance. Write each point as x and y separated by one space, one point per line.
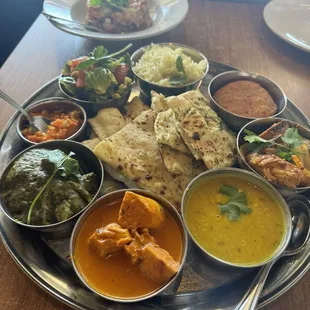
182 46
51 100
99 104
54 225
254 76
240 155
286 212
81 221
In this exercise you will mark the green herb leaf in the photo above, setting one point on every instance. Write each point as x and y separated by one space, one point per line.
70 168
252 137
69 84
94 2
99 52
99 80
85 64
233 213
177 80
179 64
57 167
237 203
292 137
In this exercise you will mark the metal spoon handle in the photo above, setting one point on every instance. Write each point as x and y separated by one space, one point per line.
250 299
10 101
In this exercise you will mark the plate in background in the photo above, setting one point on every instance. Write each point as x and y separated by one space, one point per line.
290 20
166 15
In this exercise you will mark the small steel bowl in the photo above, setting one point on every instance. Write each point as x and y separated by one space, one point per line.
52 105
146 87
258 126
234 121
256 180
92 107
87 160
106 200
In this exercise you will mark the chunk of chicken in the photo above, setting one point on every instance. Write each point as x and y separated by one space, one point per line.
138 211
109 239
134 249
276 169
157 264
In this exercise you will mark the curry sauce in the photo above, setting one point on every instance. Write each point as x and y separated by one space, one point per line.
116 275
251 239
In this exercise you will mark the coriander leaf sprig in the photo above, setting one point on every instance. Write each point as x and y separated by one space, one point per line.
66 166
291 137
237 203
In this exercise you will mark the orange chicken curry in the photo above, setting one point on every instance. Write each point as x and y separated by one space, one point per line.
128 248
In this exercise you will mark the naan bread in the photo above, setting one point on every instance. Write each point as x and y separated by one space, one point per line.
216 146
135 153
179 163
107 122
134 108
167 133
91 143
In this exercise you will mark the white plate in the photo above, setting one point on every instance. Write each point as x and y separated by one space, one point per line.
166 14
290 20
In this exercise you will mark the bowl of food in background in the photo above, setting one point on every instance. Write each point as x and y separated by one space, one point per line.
278 150
168 68
240 97
129 246
68 121
99 80
118 17
236 217
48 186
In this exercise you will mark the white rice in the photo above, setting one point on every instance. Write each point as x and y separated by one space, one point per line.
158 64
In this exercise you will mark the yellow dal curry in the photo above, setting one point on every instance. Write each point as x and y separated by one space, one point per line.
251 239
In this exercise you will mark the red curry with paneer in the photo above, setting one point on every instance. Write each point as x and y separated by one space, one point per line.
63 126
128 248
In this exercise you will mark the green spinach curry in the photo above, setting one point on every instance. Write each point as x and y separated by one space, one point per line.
47 186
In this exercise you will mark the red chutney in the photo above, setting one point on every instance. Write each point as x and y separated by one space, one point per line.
63 126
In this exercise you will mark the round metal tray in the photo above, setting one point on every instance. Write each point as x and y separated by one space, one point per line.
204 285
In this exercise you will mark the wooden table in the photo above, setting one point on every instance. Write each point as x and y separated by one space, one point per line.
227 32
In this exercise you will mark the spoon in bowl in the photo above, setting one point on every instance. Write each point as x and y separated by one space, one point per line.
299 238
37 123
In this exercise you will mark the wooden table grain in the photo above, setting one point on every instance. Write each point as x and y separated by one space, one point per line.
229 32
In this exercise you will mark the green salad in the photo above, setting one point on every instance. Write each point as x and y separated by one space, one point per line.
98 77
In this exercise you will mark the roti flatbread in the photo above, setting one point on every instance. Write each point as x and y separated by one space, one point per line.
135 153
179 163
216 146
107 122
167 133
134 108
91 143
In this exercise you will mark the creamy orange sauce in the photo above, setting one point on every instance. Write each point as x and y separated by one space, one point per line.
251 239
115 275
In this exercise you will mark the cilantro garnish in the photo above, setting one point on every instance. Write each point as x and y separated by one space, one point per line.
237 203
291 138
179 64
66 166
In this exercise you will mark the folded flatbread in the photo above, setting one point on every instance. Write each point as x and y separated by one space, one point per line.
107 122
91 143
134 108
135 153
180 163
167 133
215 145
